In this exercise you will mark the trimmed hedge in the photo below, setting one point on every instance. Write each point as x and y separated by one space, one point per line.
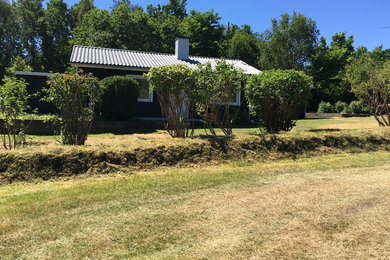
119 100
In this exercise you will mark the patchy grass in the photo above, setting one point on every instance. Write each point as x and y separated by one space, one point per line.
327 207
305 127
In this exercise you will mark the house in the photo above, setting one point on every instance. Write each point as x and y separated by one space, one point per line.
104 62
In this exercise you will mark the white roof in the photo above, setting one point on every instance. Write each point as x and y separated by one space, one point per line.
84 55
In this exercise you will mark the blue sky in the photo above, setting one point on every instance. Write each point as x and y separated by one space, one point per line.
361 18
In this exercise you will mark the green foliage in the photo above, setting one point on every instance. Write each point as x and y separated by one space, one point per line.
326 107
278 97
13 105
78 10
357 107
75 96
94 30
327 69
340 106
56 47
29 15
215 89
132 29
370 81
244 46
119 99
289 43
204 31
18 64
9 43
174 88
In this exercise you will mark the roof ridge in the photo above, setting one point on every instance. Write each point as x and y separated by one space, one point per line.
154 52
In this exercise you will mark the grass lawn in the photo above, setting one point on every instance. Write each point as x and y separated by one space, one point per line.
327 207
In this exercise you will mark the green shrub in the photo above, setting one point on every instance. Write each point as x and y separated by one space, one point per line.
75 96
214 90
358 107
346 111
340 106
174 88
13 105
119 99
278 97
326 107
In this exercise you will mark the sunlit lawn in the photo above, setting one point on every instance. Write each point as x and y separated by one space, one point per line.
329 207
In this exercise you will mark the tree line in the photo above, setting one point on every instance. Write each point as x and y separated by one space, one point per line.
43 37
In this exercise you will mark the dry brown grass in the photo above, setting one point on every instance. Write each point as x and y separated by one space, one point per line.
329 207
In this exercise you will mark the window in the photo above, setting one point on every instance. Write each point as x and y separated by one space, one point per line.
145 94
236 99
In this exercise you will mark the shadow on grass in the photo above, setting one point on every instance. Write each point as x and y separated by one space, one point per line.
325 130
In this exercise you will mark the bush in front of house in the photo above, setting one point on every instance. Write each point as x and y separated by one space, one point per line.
214 91
75 96
278 97
174 88
119 99
13 105
326 107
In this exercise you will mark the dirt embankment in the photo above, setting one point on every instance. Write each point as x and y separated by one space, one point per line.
45 165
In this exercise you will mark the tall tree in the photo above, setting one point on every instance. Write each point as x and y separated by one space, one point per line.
244 46
176 8
78 10
30 13
56 38
94 30
327 69
204 32
167 19
289 43
133 29
8 35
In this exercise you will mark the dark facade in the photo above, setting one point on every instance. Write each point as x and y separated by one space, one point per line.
36 82
144 109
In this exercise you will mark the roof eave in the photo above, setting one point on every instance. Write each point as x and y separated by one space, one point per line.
102 66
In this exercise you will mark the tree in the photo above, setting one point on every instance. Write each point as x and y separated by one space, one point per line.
94 30
75 96
327 69
13 105
56 47
132 29
244 46
18 64
289 43
175 8
370 81
29 15
8 35
204 31
278 97
173 85
78 10
214 91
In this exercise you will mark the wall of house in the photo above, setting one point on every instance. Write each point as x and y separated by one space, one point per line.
144 109
35 86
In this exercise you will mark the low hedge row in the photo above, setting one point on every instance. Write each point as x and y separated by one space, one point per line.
46 165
